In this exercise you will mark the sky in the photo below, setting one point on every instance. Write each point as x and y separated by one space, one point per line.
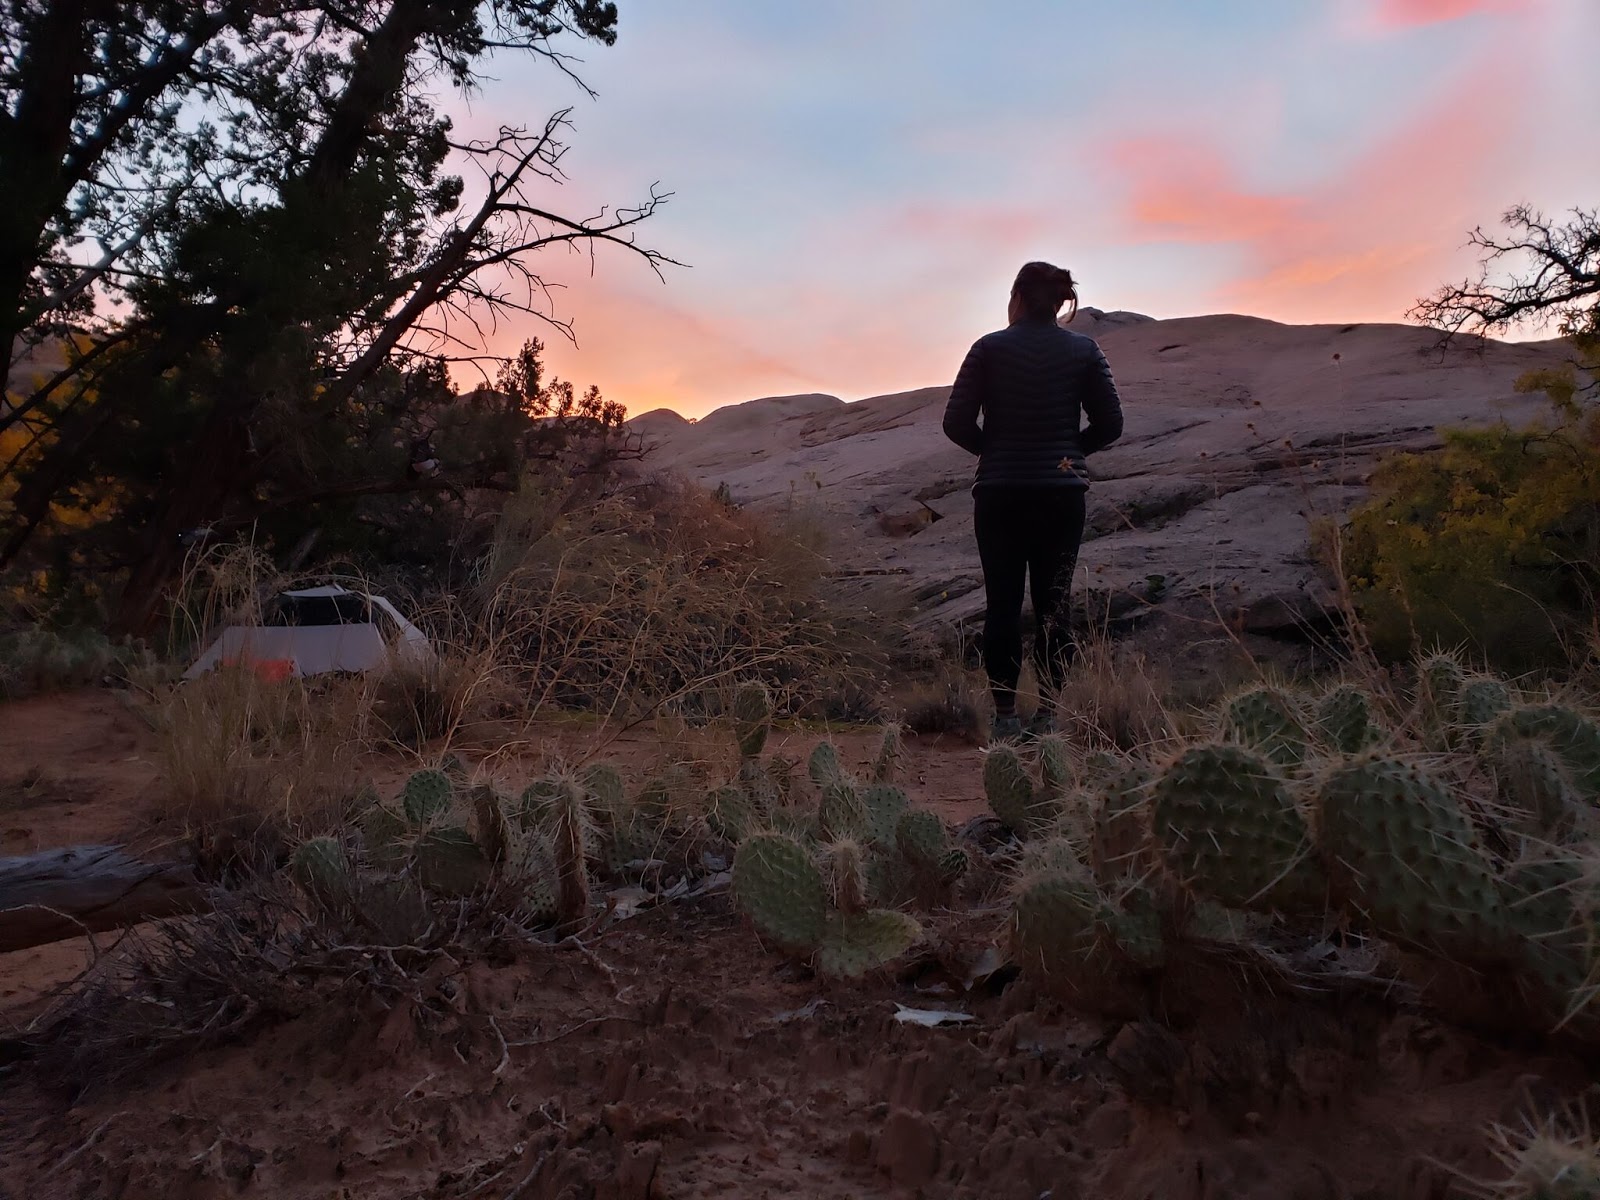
855 182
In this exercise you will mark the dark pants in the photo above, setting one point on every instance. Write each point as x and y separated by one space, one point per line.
1027 536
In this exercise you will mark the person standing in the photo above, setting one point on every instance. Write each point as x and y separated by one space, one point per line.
1047 400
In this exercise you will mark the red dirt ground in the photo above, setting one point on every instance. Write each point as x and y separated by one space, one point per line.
678 1060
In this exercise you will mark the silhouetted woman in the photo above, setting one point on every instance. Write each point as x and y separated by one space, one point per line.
1046 400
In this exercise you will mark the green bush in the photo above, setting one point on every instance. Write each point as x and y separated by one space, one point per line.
1491 542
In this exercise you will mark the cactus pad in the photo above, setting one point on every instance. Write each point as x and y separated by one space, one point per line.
394 910
1533 783
845 864
884 803
1479 703
322 870
1119 840
1059 929
842 812
752 717
1012 795
493 827
383 835
426 796
1229 830
778 885
1572 735
603 784
1055 764
1345 718
886 767
857 943
824 766
731 815
1401 854
1265 719
920 838
450 863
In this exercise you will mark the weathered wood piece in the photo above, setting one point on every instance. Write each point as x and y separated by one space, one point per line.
67 893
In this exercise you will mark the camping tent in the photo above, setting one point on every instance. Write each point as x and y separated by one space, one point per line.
314 631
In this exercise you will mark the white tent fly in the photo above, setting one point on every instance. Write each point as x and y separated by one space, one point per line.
315 631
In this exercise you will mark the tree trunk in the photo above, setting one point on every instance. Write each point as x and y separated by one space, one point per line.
62 894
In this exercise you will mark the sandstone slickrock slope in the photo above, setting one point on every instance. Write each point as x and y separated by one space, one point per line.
1239 431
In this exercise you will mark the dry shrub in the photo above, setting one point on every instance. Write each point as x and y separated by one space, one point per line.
655 597
250 762
34 661
1114 698
416 701
952 702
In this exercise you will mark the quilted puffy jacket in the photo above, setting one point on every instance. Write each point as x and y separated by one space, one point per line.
1034 383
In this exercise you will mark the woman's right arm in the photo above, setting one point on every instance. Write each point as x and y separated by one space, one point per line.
966 402
1101 406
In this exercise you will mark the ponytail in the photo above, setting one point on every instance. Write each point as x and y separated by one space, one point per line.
1044 288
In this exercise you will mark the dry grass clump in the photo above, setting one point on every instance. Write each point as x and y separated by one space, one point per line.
417 701
1113 698
952 702
250 761
656 596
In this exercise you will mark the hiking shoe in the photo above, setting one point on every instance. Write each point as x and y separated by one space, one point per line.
1006 729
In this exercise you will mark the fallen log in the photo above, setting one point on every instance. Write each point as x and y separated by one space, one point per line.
59 894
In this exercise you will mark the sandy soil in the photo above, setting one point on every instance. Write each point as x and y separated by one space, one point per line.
677 1059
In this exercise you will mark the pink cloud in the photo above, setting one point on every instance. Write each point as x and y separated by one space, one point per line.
1409 14
1361 244
1182 190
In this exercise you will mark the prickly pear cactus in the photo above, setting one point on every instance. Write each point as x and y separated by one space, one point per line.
886 767
762 790
752 718
1572 735
1229 830
824 766
1551 901
1065 934
1480 702
921 838
953 863
493 826
450 863
322 870
603 784
1012 796
1119 841
426 796
1441 677
1402 856
1055 764
1345 717
776 882
731 815
860 942
384 836
570 827
1534 785
394 910
844 864
843 812
883 803
531 871
1266 720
